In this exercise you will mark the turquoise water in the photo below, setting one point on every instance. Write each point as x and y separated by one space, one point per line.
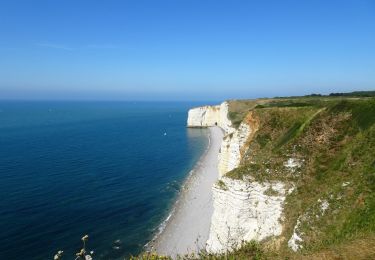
108 169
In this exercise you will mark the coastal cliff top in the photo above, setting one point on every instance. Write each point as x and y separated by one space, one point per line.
323 148
238 108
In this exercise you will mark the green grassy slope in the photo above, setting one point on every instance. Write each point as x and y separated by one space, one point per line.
334 141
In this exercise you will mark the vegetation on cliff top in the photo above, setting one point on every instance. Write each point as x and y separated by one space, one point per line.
325 148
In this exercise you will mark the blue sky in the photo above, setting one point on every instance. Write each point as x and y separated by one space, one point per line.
184 49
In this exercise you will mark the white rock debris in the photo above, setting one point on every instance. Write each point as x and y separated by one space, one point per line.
323 205
292 163
291 189
295 241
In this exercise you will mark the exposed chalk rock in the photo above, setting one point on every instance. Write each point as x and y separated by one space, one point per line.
210 116
232 146
203 116
292 164
224 121
295 241
324 205
244 211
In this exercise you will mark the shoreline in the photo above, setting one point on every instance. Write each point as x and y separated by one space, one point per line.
187 226
164 223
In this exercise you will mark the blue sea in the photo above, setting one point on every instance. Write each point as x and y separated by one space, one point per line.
111 170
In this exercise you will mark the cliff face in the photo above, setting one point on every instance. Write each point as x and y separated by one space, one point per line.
244 211
234 145
234 140
203 116
297 173
210 116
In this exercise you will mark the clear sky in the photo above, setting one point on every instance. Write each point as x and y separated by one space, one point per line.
184 49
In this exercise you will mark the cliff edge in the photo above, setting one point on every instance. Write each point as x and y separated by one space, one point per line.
295 174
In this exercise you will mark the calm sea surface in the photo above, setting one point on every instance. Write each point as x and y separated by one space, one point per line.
111 170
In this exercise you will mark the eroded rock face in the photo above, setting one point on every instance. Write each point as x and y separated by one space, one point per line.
244 211
232 147
210 116
224 122
203 116
234 140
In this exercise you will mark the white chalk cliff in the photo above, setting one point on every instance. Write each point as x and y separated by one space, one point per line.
233 145
210 116
243 210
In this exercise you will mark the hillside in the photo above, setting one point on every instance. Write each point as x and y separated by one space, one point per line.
329 146
306 169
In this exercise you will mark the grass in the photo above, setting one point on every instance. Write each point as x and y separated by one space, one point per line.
271 192
334 137
236 118
249 250
290 133
296 129
363 111
238 109
222 185
352 211
263 139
